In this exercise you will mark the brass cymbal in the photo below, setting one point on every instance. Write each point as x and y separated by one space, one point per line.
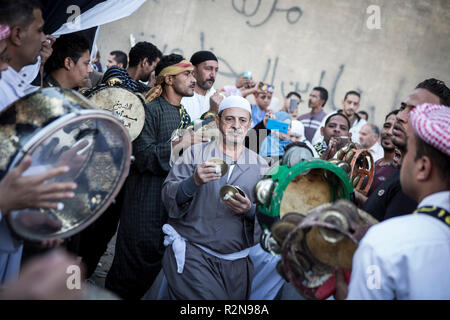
240 191
221 165
227 191
263 191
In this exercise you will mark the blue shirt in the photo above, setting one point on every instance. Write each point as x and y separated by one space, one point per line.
257 115
273 146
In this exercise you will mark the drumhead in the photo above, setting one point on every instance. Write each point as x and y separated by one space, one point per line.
127 106
97 149
299 188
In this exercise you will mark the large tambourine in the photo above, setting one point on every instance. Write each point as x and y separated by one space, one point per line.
358 163
313 245
59 127
299 188
126 105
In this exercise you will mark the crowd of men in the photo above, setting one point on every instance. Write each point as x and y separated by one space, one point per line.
175 235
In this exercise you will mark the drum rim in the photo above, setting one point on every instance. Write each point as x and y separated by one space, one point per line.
29 146
105 87
51 128
285 176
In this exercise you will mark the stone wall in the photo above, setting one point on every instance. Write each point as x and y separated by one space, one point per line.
296 45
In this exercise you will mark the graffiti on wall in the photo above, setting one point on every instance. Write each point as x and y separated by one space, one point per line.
258 16
256 13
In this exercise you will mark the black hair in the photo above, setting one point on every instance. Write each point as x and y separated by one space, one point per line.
141 51
297 144
438 158
323 94
120 57
201 56
375 129
394 112
18 12
166 61
338 114
356 93
293 93
364 113
70 45
438 88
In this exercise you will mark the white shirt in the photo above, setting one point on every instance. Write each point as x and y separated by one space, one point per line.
14 85
354 130
197 104
406 257
377 151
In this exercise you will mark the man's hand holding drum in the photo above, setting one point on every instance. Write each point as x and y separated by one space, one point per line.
18 192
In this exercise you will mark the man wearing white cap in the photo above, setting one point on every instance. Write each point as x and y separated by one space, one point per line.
297 131
208 238
408 257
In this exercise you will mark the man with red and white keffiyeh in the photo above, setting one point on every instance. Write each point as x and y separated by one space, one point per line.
4 34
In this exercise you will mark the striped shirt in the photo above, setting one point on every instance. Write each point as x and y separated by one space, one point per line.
127 81
311 122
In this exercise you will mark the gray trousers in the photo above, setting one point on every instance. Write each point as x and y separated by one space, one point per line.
206 277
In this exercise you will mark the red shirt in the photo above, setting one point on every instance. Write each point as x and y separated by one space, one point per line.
380 174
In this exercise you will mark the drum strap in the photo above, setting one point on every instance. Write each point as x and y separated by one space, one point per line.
185 118
436 212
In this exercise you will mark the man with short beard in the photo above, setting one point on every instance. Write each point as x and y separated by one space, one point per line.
388 200
368 137
411 253
350 105
139 245
209 238
205 97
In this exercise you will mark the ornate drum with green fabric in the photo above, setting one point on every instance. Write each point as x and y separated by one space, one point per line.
299 189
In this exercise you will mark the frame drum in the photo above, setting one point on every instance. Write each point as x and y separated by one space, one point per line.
299 188
59 127
126 105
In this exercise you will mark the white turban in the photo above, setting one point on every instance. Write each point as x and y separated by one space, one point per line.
297 128
235 102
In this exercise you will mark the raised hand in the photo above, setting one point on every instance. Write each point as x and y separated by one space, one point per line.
206 172
18 192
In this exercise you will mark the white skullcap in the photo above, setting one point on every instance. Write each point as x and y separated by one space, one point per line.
298 128
235 102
